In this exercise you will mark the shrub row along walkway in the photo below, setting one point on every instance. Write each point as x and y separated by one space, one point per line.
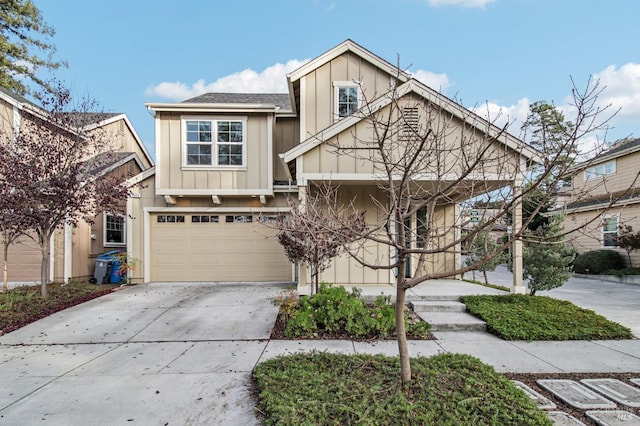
183 353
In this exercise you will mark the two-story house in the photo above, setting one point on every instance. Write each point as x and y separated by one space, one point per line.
226 162
605 195
74 249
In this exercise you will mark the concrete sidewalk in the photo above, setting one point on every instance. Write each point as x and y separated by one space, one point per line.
182 353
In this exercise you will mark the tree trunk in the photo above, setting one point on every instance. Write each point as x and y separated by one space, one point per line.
401 334
5 275
486 279
44 267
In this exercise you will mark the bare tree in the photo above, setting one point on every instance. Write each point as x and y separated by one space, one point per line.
54 166
317 230
430 156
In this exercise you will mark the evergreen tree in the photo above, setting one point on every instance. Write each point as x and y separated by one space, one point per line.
25 48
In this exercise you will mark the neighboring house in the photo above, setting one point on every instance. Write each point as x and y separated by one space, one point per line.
605 196
226 162
75 249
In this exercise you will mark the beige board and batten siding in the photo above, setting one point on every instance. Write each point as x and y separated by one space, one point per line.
587 234
624 178
286 134
344 270
336 157
319 93
174 177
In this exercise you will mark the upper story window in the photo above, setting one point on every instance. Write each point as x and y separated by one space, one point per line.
347 98
601 169
114 230
214 142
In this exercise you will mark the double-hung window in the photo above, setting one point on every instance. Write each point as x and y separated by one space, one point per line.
347 98
601 169
114 230
610 231
215 142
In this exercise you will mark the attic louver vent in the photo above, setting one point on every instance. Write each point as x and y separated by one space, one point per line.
410 122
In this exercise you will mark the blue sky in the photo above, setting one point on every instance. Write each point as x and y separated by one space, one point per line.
504 53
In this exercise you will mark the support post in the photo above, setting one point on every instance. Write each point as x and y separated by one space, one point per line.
516 242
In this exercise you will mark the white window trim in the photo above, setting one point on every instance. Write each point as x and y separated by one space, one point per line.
214 142
590 172
602 231
337 85
104 230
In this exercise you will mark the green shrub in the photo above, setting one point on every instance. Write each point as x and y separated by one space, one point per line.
523 317
337 389
622 272
598 261
334 310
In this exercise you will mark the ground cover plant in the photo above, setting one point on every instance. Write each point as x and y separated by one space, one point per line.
337 389
23 305
523 317
335 313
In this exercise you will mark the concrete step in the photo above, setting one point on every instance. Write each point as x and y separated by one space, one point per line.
452 321
438 306
432 297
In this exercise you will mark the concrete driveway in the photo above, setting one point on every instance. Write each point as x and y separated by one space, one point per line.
153 354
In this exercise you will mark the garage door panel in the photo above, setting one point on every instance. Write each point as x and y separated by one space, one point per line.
222 251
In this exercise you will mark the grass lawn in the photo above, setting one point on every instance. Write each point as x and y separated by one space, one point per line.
23 305
523 317
332 389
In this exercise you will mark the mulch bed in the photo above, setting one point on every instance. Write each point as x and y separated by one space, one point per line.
55 308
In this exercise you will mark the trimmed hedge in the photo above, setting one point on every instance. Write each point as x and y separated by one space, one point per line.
598 261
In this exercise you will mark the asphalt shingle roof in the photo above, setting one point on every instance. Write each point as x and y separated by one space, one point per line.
281 100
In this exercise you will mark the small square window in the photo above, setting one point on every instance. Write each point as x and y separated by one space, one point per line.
162 218
195 218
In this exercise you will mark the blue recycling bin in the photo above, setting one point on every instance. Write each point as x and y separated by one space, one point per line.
115 275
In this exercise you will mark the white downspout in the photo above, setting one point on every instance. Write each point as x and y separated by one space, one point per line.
52 257
68 253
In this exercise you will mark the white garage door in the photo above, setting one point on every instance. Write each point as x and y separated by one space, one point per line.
215 247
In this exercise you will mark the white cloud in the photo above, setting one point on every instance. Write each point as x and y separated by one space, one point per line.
513 116
271 80
464 3
439 82
621 89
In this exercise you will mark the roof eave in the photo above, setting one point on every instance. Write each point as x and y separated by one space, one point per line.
211 107
348 46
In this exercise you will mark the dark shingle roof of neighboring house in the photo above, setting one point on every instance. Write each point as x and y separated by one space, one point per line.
15 96
281 100
604 200
617 150
622 147
95 166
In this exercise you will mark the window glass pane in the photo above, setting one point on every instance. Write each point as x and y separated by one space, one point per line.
223 126
215 219
205 126
195 218
609 167
236 126
192 126
610 224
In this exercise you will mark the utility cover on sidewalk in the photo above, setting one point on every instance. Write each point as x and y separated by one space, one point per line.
560 418
575 394
613 417
616 390
543 402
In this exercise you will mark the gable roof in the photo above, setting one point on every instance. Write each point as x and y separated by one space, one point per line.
347 46
414 86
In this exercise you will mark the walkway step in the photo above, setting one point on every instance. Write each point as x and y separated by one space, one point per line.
432 297
438 306
452 321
